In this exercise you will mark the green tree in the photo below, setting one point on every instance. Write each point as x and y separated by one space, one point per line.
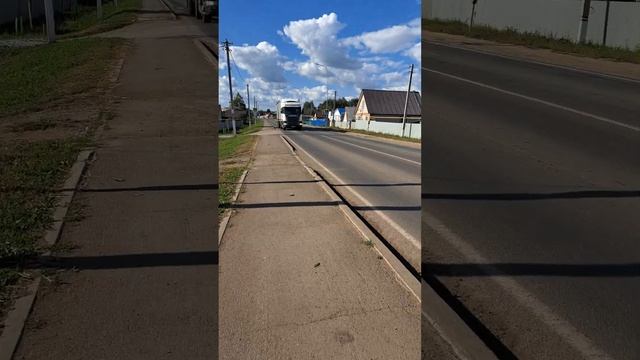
308 108
353 102
328 104
238 102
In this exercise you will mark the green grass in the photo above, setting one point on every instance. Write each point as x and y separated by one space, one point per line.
228 180
228 148
32 170
31 77
534 40
29 173
86 21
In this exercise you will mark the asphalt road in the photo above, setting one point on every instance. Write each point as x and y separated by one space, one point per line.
531 196
381 179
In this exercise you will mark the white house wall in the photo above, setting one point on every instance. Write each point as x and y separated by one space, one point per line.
412 130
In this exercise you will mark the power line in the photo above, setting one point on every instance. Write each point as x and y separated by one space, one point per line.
237 71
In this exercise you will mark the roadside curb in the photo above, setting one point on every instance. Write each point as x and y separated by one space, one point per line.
412 144
405 277
17 317
205 52
227 216
463 341
173 14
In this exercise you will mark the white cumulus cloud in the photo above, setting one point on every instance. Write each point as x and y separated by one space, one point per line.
388 40
317 39
414 52
262 61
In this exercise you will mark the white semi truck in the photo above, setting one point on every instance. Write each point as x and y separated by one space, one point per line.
289 114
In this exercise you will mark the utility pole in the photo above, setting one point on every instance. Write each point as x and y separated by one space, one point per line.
248 104
99 8
473 13
30 16
584 21
406 101
51 25
233 121
606 24
327 107
333 115
255 110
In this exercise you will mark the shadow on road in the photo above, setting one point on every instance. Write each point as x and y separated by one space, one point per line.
587 194
533 269
316 203
194 258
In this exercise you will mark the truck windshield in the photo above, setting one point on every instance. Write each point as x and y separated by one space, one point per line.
291 111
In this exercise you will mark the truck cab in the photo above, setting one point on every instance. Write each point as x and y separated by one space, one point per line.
289 114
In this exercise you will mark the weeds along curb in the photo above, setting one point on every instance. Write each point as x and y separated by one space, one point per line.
236 193
17 317
227 214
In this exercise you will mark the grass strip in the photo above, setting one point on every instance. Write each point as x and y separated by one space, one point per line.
533 40
31 77
84 20
229 178
29 175
228 149
230 146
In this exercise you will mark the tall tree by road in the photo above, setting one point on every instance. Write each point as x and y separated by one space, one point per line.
308 108
341 102
238 102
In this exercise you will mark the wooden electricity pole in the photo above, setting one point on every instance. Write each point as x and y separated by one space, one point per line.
406 101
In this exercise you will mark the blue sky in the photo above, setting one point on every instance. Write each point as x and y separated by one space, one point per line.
301 49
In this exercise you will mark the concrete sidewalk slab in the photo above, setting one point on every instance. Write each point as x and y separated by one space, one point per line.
298 281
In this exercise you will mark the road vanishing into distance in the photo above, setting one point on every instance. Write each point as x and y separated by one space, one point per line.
379 178
531 203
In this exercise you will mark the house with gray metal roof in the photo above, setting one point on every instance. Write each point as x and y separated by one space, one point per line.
388 106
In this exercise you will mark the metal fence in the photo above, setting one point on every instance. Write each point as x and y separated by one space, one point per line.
555 18
411 130
27 16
